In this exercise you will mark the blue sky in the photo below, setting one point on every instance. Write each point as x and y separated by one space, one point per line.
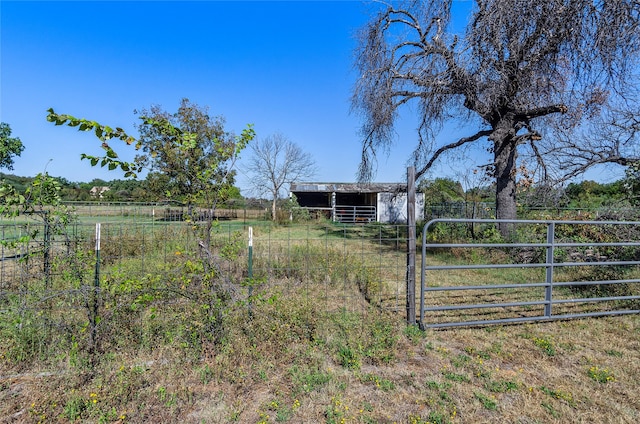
283 66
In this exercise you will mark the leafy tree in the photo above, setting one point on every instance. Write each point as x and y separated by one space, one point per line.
188 152
441 190
9 146
591 194
519 68
199 156
278 161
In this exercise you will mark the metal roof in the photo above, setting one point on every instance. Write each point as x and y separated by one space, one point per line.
312 187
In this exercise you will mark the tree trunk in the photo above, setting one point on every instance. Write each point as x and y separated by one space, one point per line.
273 208
505 154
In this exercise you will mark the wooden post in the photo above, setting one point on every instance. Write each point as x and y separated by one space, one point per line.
411 246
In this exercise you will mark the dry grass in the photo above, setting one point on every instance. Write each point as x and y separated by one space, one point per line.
497 374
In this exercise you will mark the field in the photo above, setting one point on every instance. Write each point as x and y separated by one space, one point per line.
147 332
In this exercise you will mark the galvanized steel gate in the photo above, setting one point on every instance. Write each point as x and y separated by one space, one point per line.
553 275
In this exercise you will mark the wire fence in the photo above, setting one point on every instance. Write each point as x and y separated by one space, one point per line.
58 285
371 257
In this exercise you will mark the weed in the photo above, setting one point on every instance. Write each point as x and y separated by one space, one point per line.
501 386
559 394
337 412
382 340
432 384
460 378
306 379
434 417
206 374
550 409
380 383
74 408
601 375
460 360
488 402
546 344
612 352
414 333
78 407
349 358
478 353
282 411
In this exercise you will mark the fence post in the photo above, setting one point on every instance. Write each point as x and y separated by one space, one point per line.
411 246
93 308
250 271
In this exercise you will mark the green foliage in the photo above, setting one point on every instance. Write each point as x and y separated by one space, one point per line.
501 386
191 157
444 232
631 182
441 190
104 133
19 183
460 378
487 401
375 343
9 146
292 212
414 333
601 375
190 153
383 384
41 201
590 194
24 334
308 378
559 394
546 344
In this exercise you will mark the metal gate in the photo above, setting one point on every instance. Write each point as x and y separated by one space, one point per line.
552 270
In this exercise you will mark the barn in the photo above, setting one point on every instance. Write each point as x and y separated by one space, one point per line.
357 202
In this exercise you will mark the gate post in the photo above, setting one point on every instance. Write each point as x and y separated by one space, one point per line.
411 246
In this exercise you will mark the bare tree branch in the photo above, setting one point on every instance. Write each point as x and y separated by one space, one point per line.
277 161
441 150
549 64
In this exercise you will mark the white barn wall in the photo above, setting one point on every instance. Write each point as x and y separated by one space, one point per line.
392 207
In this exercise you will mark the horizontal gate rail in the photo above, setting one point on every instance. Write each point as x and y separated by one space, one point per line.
350 214
491 297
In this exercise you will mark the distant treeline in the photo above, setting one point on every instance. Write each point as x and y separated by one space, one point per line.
120 191
578 195
585 194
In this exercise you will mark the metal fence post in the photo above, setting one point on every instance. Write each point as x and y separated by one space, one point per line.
250 271
411 246
93 308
